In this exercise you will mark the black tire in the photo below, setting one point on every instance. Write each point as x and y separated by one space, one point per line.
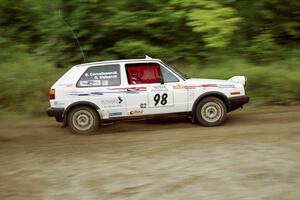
211 111
83 120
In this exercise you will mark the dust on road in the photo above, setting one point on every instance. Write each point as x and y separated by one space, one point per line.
254 155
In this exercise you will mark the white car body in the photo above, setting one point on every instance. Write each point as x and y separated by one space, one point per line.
127 100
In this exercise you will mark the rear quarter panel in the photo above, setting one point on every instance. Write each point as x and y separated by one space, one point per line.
109 99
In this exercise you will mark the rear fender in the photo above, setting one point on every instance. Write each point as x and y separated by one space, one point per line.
79 103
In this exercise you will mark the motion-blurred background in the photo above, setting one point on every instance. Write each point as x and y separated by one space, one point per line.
203 38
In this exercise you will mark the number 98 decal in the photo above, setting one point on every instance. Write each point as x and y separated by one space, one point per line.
160 96
161 99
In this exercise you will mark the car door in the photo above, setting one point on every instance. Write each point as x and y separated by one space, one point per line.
180 93
145 94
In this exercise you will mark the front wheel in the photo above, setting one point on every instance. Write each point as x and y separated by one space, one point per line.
211 111
83 120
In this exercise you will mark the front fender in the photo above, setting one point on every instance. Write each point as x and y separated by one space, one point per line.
220 95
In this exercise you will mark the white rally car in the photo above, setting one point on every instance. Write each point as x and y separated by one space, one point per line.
94 93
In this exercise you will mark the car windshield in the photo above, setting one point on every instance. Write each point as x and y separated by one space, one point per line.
179 73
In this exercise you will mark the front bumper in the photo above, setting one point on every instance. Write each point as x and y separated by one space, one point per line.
55 112
237 102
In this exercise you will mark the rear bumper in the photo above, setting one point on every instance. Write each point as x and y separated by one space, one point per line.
55 112
237 102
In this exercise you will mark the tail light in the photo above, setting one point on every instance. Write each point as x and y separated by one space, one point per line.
52 94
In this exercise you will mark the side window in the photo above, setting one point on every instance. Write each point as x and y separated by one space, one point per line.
141 73
168 76
97 76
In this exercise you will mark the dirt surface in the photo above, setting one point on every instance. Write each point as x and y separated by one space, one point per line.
254 155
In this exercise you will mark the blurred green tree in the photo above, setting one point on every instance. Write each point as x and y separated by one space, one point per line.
176 30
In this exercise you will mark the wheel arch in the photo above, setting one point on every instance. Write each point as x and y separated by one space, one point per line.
219 95
76 104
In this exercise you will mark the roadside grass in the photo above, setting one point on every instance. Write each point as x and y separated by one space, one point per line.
25 81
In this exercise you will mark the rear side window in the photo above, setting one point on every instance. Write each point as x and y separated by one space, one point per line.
101 76
142 73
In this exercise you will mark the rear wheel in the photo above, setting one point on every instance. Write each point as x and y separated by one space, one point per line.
211 111
83 120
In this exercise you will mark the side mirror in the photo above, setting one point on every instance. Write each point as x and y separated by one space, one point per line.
160 79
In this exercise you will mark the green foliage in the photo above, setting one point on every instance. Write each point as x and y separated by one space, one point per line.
25 81
215 23
175 30
132 47
263 49
282 18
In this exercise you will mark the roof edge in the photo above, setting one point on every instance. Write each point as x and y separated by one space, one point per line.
147 58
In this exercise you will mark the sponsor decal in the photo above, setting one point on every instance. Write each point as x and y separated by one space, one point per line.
226 86
105 82
130 90
136 112
90 83
102 75
115 114
120 100
67 85
201 86
57 103
143 105
109 101
98 78
85 94
179 86
115 102
159 88
209 85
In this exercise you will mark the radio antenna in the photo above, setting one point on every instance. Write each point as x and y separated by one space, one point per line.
74 35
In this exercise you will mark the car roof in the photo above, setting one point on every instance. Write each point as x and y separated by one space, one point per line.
117 61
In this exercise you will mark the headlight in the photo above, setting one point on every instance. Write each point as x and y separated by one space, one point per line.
239 79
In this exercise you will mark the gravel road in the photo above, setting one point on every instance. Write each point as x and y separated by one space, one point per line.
254 155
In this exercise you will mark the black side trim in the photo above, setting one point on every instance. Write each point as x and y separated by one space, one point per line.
145 117
216 94
55 112
237 102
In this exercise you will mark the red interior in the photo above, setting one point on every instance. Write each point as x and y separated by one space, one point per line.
143 73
